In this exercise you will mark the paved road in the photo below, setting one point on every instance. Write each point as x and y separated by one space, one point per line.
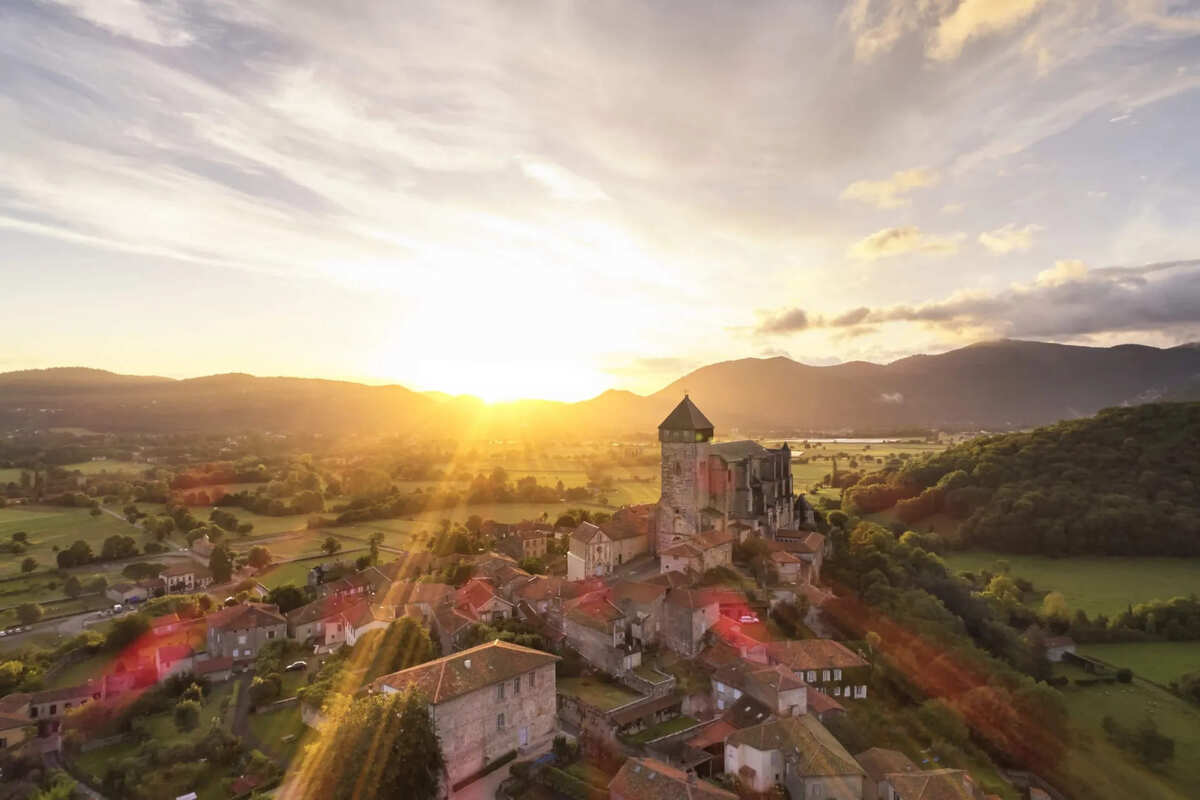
639 569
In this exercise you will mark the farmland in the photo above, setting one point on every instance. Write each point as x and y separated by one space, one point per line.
48 527
1162 662
1096 584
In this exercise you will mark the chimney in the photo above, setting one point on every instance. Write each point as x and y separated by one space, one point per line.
466 663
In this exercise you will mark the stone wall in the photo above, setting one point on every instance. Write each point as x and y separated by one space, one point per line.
469 730
680 490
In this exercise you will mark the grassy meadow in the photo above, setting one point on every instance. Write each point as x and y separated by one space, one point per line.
1097 584
47 526
1161 662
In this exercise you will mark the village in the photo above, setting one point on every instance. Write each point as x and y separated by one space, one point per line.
662 662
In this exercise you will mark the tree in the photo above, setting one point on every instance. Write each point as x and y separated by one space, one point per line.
187 715
97 584
220 564
259 557
20 536
331 545
127 630
29 613
78 554
288 597
382 746
72 587
29 564
1054 605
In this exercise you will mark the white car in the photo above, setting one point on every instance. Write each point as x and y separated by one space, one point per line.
748 618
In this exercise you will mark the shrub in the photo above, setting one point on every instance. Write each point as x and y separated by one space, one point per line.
1125 675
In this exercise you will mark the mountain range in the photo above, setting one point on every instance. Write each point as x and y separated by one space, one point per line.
1000 385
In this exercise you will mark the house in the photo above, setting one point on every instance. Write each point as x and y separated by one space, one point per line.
14 730
188 577
47 707
823 664
1058 646
731 634
420 598
789 567
215 669
699 553
589 552
542 592
361 618
824 707
775 687
529 542
362 584
123 592
629 530
167 624
451 625
172 659
689 613
485 702
598 630
650 779
891 775
479 599
239 632
319 622
642 603
798 753
808 546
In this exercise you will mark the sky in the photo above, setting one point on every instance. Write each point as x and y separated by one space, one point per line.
550 199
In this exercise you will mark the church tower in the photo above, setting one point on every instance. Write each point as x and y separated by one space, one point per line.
684 436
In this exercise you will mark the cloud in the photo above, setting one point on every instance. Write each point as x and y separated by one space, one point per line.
953 208
158 23
975 18
1010 238
1068 300
788 321
891 398
899 241
891 193
561 183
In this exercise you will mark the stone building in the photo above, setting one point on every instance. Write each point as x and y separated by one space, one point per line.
600 632
596 550
650 779
699 553
239 632
485 702
727 486
689 613
185 578
891 775
823 664
797 752
589 552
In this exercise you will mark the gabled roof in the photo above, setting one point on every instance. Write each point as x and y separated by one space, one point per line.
747 711
637 592
932 784
672 579
586 531
321 608
683 550
596 613
250 615
736 451
650 779
173 652
691 598
430 594
878 761
462 673
212 665
814 654
8 723
477 593
65 693
538 587
809 749
820 703
686 417
362 613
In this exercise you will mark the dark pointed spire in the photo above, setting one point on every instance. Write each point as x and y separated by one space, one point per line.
686 417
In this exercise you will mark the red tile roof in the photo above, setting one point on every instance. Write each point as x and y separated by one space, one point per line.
250 615
804 654
650 779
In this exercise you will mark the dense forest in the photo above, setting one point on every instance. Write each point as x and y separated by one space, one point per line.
1124 482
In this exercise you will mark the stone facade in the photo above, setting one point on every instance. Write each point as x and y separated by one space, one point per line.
688 616
239 632
797 752
726 486
589 553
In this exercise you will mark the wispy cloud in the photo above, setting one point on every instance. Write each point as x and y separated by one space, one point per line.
892 192
900 241
1009 238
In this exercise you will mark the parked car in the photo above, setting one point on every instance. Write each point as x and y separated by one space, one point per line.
296 666
748 618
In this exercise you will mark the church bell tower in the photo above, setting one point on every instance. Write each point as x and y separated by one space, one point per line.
684 436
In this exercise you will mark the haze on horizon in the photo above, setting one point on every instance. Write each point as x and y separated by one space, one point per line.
552 199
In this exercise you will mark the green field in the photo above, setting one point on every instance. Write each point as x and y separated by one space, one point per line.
1162 662
1116 771
1097 584
47 527
271 727
820 456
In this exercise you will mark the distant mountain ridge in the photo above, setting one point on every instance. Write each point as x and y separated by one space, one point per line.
997 385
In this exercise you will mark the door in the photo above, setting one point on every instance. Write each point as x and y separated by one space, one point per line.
522 737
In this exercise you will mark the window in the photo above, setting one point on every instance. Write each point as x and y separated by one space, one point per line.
499 722
532 679
500 691
53 709
516 685
241 638
837 674
812 676
270 634
824 675
33 712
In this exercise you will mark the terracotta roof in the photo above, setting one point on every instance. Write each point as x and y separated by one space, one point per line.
672 579
8 723
476 593
797 541
321 608
451 620
820 703
467 671
625 527
213 665
431 594
719 654
14 702
691 598
784 557
173 652
806 654
714 733
538 587
684 550
746 712
637 592
250 615
65 693
934 784
596 613
808 747
686 417
650 779
363 613
878 761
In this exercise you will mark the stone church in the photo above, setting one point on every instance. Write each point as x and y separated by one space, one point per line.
732 487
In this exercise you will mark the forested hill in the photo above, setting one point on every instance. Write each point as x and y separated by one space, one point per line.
1124 482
